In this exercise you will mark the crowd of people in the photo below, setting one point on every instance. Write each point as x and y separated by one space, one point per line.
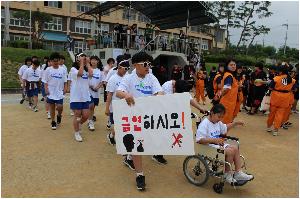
229 87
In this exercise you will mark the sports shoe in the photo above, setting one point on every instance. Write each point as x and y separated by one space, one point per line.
48 115
140 182
160 159
269 130
91 125
35 109
284 127
78 137
42 99
129 163
111 139
229 178
295 111
275 132
22 100
71 113
242 176
288 124
94 118
53 125
108 125
58 117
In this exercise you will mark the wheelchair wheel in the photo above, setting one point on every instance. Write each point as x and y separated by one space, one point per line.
218 187
196 170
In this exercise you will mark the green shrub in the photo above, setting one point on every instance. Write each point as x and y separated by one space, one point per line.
19 44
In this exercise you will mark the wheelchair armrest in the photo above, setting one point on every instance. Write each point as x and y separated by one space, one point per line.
229 137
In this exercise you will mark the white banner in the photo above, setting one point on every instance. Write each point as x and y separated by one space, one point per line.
155 125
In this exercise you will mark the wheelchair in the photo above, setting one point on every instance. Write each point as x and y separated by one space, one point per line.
210 162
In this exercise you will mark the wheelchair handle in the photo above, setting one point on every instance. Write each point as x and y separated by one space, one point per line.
229 137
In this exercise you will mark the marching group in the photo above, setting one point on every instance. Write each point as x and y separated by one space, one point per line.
228 88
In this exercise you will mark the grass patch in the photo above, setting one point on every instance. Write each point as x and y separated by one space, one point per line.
13 58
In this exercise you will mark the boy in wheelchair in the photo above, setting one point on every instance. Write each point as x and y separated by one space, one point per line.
210 132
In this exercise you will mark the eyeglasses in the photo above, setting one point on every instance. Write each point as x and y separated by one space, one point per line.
146 64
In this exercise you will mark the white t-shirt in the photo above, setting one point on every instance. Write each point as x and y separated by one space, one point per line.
22 70
139 87
150 71
106 70
110 73
94 81
55 78
80 86
112 86
207 129
64 67
168 87
32 75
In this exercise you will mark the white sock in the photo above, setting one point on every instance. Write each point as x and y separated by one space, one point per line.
111 135
140 174
129 157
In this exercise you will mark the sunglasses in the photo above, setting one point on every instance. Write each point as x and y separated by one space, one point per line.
145 64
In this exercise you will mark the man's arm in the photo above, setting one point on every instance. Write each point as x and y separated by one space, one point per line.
124 95
234 124
108 101
194 103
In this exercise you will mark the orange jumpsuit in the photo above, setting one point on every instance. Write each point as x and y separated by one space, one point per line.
229 99
240 97
279 101
286 116
215 84
200 86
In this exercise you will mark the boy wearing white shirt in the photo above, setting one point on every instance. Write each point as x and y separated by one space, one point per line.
62 63
139 84
31 78
20 73
95 82
55 79
209 132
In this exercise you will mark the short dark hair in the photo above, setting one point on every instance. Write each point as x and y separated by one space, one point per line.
110 60
28 59
36 62
62 57
140 57
227 62
218 108
260 65
54 55
100 65
46 57
34 57
182 86
120 58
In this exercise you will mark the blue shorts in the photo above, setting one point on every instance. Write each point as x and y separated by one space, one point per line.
79 105
33 92
111 118
51 101
94 101
43 90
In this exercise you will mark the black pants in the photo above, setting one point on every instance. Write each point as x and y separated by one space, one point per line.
105 94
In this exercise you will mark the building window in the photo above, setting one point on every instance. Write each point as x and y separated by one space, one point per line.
55 4
2 16
83 27
18 37
55 24
143 18
140 31
17 22
132 14
220 36
102 28
84 7
204 45
80 46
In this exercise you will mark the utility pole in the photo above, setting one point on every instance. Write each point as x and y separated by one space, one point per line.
30 34
6 22
287 27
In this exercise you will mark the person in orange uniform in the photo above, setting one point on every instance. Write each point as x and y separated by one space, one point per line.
281 87
200 85
228 96
217 84
286 117
240 79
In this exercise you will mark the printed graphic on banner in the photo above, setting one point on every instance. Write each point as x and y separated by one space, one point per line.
154 125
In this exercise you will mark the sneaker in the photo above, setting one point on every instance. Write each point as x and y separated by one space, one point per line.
78 137
30 106
58 117
108 125
53 125
293 111
242 176
35 109
140 182
229 178
71 113
275 132
48 115
111 139
269 130
284 127
42 99
160 159
22 100
94 118
288 124
129 163
91 125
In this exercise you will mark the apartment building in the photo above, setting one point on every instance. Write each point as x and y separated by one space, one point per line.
68 18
